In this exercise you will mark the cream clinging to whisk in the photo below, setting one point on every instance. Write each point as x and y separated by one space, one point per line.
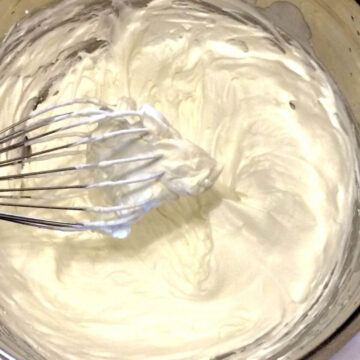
136 155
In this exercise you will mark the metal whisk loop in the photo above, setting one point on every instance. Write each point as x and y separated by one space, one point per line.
43 136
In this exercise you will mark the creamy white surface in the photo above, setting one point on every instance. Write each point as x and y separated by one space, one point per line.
177 166
198 276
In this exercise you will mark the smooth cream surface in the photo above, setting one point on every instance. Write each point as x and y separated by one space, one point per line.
199 276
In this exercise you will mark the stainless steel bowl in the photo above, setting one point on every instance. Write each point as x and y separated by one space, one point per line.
331 28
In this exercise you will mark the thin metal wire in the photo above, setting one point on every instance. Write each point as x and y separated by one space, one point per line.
20 136
55 107
89 140
100 164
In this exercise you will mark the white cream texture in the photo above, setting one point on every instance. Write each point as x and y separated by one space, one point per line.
176 167
204 275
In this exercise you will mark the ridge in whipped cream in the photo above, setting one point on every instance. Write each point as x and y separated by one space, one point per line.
235 269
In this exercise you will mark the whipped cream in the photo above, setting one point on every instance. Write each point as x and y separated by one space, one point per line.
236 267
173 166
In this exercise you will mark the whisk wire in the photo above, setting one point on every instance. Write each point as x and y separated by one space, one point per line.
36 136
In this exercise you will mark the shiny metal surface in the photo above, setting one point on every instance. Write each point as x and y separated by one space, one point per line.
20 136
